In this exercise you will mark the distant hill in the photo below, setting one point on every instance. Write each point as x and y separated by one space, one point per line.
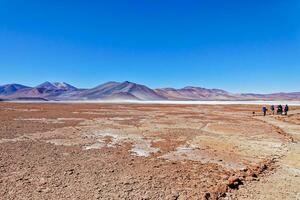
128 91
194 93
45 90
11 88
124 90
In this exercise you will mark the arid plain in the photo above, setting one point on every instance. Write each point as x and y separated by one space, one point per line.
147 151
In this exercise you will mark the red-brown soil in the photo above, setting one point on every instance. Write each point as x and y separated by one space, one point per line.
131 151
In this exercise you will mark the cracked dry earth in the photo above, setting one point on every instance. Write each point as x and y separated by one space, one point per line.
135 151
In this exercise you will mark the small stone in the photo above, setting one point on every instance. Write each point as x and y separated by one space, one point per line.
207 196
234 182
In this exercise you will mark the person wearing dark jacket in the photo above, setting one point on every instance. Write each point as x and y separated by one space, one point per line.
264 109
279 110
286 109
272 109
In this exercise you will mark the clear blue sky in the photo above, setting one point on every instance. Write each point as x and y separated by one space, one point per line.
237 45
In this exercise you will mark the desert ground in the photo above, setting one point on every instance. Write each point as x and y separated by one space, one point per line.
147 151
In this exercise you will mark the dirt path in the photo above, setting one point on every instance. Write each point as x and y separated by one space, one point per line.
284 183
291 129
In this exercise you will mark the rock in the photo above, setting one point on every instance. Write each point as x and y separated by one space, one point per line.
234 182
207 196
263 167
69 172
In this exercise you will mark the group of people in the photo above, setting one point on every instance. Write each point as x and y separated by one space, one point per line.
280 110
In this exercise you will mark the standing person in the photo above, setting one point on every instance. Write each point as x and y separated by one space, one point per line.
279 110
264 109
273 109
286 109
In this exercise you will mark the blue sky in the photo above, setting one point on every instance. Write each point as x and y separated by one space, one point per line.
240 46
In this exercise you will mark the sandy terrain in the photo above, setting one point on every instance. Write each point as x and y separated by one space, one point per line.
147 151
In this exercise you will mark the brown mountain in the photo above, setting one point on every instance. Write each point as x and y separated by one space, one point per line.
47 91
125 90
11 88
195 93
128 91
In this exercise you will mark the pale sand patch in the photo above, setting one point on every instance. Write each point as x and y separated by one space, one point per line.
22 110
41 120
88 137
64 142
140 145
230 151
292 158
242 128
49 121
97 145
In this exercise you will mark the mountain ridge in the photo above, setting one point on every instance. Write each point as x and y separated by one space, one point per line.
127 90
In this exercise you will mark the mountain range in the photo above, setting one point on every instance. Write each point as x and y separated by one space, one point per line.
61 91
